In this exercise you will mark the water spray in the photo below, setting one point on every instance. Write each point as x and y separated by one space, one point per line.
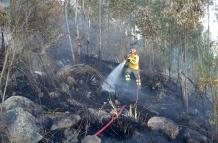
110 82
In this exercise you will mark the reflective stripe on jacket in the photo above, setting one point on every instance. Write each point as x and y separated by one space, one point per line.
133 61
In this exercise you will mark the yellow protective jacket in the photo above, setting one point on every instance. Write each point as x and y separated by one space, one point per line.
133 61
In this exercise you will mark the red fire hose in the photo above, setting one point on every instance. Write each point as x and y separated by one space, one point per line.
138 86
110 122
139 77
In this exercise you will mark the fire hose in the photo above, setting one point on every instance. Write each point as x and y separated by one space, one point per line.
138 86
110 122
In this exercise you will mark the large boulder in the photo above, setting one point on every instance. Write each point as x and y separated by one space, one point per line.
21 126
165 125
64 121
22 102
91 139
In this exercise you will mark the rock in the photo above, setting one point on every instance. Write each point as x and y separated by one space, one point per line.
91 139
21 126
167 126
65 121
192 136
3 136
22 102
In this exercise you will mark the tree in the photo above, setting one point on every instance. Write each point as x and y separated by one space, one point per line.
186 14
68 30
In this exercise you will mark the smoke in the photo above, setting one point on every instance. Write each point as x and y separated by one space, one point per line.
127 91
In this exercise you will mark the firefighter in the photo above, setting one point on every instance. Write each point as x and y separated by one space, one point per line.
133 67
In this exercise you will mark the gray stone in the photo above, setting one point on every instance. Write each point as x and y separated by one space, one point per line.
21 126
22 102
65 121
167 126
91 139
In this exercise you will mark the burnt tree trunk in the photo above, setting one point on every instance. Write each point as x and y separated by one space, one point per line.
77 35
2 51
100 34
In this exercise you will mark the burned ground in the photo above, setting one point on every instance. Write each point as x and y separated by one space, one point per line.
77 90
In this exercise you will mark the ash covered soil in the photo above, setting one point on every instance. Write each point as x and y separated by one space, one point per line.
66 104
